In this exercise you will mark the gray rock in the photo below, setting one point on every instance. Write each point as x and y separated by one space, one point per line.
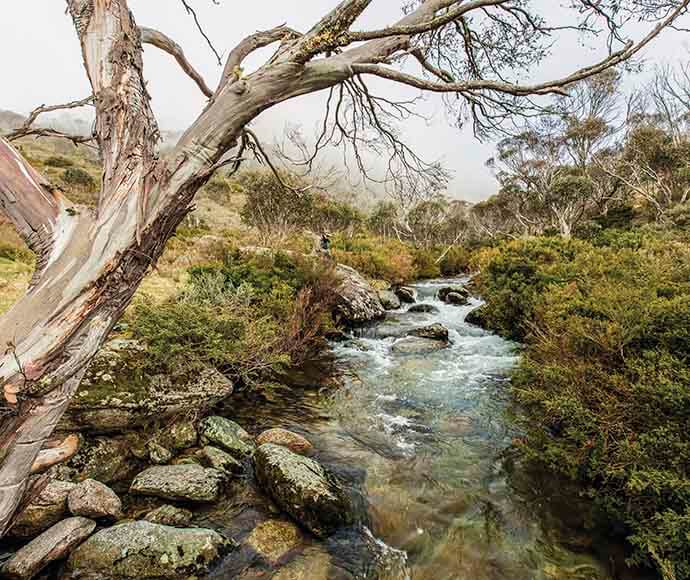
114 396
406 294
169 515
457 299
158 454
107 459
92 499
356 301
414 345
146 550
423 309
389 300
44 511
433 332
218 459
227 434
179 482
52 545
314 497
457 289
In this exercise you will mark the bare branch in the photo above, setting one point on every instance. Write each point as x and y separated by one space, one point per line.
250 44
192 12
27 129
167 44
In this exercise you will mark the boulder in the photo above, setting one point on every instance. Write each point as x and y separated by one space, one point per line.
313 496
457 289
356 300
273 539
169 515
457 299
92 499
477 317
218 459
146 550
107 459
115 396
54 544
433 332
226 434
423 309
189 482
415 345
389 300
44 511
406 294
294 442
158 454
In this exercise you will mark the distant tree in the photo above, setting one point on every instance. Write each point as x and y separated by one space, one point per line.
91 261
384 219
276 206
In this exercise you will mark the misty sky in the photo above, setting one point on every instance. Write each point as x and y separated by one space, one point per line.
42 64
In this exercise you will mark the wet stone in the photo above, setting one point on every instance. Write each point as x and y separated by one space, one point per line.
389 300
218 459
168 515
226 434
52 545
293 441
179 482
93 499
273 539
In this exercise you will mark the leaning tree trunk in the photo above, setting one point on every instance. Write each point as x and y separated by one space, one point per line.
91 261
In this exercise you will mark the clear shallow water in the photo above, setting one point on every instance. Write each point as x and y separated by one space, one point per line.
425 436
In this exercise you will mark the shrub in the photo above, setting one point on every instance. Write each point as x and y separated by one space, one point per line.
58 161
456 261
76 177
248 315
425 264
604 384
376 258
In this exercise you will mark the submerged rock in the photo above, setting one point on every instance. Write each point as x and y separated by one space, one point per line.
285 438
273 539
115 395
218 459
415 345
406 294
423 309
44 511
145 550
169 515
356 300
179 482
52 545
389 300
316 498
433 332
92 499
226 434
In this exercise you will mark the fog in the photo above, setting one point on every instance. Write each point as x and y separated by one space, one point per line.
42 64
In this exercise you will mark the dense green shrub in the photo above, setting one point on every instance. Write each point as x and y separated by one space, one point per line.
425 264
246 316
76 177
455 261
604 384
376 258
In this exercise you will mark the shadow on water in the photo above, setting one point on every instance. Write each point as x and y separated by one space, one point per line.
423 437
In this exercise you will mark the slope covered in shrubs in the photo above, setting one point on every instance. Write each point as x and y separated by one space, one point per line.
604 383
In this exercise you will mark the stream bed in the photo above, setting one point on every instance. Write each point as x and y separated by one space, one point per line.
423 436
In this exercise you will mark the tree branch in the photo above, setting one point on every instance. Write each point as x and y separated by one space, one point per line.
250 44
167 44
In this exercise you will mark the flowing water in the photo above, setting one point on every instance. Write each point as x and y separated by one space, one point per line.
425 436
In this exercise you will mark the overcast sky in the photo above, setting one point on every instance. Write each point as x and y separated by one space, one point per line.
41 64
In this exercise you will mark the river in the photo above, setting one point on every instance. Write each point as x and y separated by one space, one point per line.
425 436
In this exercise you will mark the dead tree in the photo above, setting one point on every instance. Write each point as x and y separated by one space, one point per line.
89 262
